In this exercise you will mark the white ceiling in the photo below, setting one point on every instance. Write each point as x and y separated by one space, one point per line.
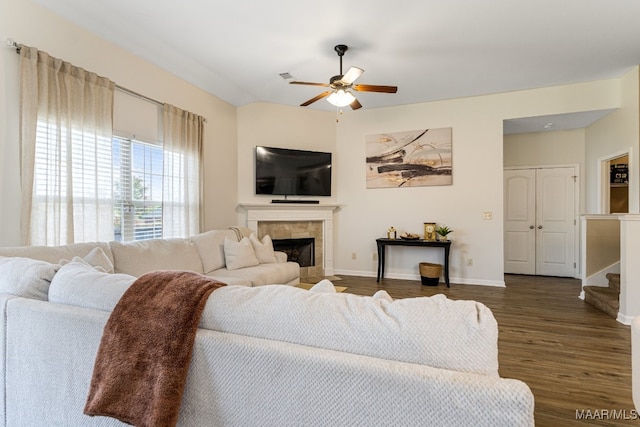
430 49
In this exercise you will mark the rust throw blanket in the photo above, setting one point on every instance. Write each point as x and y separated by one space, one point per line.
142 362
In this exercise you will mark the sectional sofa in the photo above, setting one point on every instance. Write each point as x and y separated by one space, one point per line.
233 256
263 355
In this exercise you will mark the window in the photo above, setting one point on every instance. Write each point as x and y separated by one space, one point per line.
137 190
79 182
72 185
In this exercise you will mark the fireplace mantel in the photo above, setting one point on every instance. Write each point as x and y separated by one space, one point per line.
297 212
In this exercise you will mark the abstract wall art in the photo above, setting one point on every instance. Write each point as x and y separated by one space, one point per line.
409 159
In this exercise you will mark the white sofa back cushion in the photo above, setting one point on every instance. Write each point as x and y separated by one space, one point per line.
210 246
435 331
79 284
138 258
26 277
54 254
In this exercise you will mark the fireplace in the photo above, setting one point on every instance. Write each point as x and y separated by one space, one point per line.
301 250
293 221
298 234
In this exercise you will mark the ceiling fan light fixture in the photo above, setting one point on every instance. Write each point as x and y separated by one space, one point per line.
341 98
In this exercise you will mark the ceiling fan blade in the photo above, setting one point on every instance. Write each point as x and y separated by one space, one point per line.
309 83
355 105
352 74
316 98
375 88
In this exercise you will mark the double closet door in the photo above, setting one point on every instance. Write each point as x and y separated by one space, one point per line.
540 221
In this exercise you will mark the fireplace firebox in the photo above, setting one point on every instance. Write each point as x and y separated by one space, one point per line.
300 250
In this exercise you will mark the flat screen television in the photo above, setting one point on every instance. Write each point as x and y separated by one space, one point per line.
288 172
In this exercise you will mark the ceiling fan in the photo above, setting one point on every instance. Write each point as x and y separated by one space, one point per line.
341 85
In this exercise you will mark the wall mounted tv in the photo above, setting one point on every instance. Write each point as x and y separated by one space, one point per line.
288 172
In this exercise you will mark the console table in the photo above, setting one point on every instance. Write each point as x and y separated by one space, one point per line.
383 243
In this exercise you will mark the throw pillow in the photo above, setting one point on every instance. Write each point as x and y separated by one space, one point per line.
263 249
78 283
96 258
239 254
26 277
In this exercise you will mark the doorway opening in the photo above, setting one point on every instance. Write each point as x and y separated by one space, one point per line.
540 220
615 184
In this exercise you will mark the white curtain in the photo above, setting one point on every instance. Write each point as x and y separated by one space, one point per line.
66 129
182 146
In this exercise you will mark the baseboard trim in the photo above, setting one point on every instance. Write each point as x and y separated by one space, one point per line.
416 277
625 320
600 277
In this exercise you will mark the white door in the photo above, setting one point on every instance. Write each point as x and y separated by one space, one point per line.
519 221
540 223
555 225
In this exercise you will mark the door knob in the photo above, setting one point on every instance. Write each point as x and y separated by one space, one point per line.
539 227
531 227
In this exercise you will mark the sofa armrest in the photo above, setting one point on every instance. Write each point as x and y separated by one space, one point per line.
280 256
635 361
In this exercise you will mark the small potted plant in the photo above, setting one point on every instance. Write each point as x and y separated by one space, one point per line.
443 231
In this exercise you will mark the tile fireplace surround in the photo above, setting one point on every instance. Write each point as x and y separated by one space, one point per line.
296 220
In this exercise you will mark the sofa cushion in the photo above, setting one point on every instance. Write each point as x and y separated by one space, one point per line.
78 283
210 247
434 331
26 277
239 254
261 274
53 254
263 249
138 258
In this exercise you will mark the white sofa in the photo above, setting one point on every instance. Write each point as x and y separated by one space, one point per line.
264 355
205 253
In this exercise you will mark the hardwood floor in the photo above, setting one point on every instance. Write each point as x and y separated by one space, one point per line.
574 357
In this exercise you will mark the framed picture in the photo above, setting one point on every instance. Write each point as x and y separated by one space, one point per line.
409 159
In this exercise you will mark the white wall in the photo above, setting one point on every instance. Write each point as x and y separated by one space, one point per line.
616 133
9 149
34 26
366 214
547 149
280 126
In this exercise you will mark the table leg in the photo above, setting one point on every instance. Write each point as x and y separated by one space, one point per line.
446 265
381 255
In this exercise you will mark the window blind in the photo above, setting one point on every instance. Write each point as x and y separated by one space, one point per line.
137 188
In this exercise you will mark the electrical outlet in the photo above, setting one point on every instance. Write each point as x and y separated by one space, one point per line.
470 262
375 256
487 215
353 255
